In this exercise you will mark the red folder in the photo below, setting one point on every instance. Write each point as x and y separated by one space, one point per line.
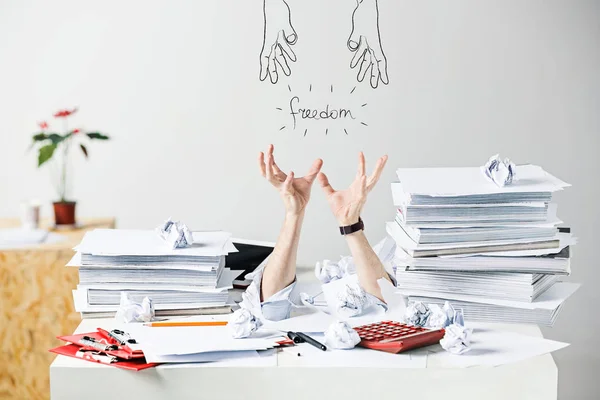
123 352
135 364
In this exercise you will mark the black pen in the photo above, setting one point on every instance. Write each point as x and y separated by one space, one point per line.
311 341
294 337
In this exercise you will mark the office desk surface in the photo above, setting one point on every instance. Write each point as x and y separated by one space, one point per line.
535 378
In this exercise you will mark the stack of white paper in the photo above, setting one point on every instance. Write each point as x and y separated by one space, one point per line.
555 263
541 311
415 249
179 281
469 186
491 285
459 235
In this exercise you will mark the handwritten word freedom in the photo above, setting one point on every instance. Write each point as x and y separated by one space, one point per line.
316 114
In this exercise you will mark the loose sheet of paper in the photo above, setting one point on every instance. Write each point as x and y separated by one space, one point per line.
126 242
313 321
470 181
208 358
249 358
194 340
355 358
491 347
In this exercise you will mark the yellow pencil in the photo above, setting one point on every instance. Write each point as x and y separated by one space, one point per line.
183 323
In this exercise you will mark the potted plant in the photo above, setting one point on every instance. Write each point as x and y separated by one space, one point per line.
50 143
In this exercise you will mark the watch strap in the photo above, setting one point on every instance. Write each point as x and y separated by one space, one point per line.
359 226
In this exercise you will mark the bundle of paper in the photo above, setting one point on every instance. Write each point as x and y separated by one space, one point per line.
179 281
460 186
148 245
459 233
166 313
484 285
158 276
475 213
556 263
476 247
112 297
542 311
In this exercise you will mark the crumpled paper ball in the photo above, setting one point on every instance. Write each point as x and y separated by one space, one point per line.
459 318
351 301
457 339
307 299
441 317
416 314
130 311
328 271
248 318
340 335
176 234
501 172
243 323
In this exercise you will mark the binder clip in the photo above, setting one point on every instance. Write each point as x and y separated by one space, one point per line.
93 355
87 341
123 338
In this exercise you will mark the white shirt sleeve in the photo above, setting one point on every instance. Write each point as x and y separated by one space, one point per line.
276 307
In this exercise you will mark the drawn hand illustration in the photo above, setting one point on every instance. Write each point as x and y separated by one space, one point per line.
279 36
365 43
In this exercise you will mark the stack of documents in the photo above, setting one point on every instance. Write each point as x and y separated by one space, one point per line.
542 311
491 285
462 238
186 281
556 263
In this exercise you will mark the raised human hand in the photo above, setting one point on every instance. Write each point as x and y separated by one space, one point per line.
347 204
365 43
295 192
279 36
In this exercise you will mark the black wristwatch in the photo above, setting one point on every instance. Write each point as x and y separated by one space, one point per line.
359 226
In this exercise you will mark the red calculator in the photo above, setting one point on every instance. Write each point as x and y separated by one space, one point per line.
395 337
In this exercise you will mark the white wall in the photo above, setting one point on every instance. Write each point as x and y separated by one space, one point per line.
176 86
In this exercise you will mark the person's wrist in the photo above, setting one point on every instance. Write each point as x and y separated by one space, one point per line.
357 234
294 214
347 221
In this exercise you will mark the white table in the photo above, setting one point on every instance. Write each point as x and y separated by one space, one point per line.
535 378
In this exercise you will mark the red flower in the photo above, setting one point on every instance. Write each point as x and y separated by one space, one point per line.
76 131
65 113
43 125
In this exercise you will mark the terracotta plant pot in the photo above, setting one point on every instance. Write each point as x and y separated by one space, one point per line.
64 212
